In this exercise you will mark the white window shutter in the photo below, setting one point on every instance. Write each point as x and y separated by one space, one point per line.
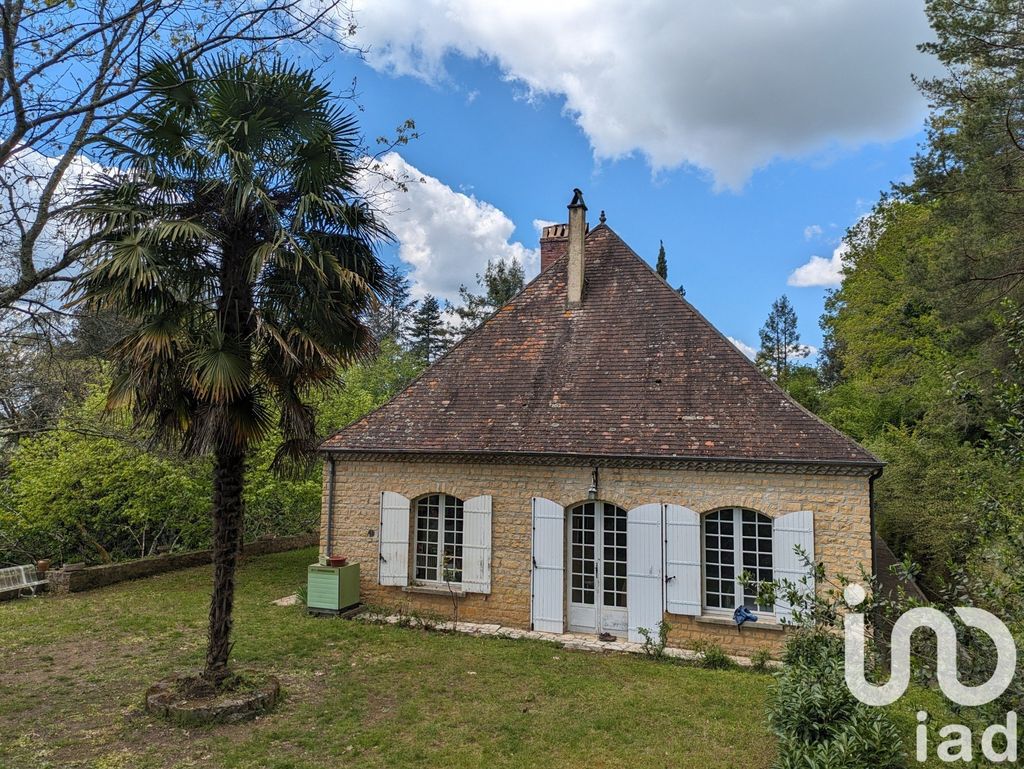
476 545
394 539
548 583
682 561
789 532
644 580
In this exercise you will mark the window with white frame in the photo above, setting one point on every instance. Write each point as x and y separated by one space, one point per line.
438 547
736 541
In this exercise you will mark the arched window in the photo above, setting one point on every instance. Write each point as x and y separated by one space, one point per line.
736 541
438 551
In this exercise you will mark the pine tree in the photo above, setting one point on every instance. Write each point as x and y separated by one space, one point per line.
390 319
662 261
429 336
780 341
501 281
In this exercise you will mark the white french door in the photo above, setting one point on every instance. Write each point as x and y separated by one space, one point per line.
597 568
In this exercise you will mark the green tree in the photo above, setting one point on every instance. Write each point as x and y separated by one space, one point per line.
429 336
501 281
662 261
780 341
389 318
971 169
803 384
888 346
232 237
368 385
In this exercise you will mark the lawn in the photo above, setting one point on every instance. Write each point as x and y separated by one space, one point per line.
75 667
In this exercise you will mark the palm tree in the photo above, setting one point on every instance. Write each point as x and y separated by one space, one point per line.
236 242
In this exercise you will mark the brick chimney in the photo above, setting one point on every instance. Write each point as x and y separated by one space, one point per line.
576 235
554 244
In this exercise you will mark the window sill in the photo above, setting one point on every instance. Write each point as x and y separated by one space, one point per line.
763 623
435 590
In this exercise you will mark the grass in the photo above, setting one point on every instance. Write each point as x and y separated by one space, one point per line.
75 667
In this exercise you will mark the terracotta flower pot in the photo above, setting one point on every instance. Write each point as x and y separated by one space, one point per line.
43 566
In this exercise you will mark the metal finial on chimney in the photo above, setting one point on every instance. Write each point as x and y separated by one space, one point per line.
603 218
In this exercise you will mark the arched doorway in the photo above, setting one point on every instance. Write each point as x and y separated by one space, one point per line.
597 568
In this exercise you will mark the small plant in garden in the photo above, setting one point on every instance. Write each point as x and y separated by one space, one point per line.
427 620
303 594
447 569
403 617
655 647
710 655
760 660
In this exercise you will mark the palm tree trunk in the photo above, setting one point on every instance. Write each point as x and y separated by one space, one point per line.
228 524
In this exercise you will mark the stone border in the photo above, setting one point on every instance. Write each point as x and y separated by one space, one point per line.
163 699
92 577
575 641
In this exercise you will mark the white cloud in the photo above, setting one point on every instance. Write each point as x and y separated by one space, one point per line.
725 87
743 347
540 224
819 271
812 231
23 179
447 237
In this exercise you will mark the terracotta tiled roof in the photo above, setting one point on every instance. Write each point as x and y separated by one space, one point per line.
635 372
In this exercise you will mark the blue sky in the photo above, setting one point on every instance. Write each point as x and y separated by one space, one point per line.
747 162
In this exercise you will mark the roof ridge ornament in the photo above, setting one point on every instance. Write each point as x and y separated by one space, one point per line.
602 219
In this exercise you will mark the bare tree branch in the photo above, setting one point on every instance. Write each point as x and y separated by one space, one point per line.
68 72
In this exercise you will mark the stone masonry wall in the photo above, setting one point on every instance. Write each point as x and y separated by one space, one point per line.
840 505
92 577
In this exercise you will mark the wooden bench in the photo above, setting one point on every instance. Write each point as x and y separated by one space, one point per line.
18 579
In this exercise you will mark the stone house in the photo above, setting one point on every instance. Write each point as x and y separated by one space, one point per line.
594 458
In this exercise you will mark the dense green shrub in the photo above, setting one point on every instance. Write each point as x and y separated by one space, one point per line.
818 721
89 491
96 489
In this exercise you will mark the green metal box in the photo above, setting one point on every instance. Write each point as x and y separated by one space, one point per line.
332 588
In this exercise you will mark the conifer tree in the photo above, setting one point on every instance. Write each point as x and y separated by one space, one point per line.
780 341
429 336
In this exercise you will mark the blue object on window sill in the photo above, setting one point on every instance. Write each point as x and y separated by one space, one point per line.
743 614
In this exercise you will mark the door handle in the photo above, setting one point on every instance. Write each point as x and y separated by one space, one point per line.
669 579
